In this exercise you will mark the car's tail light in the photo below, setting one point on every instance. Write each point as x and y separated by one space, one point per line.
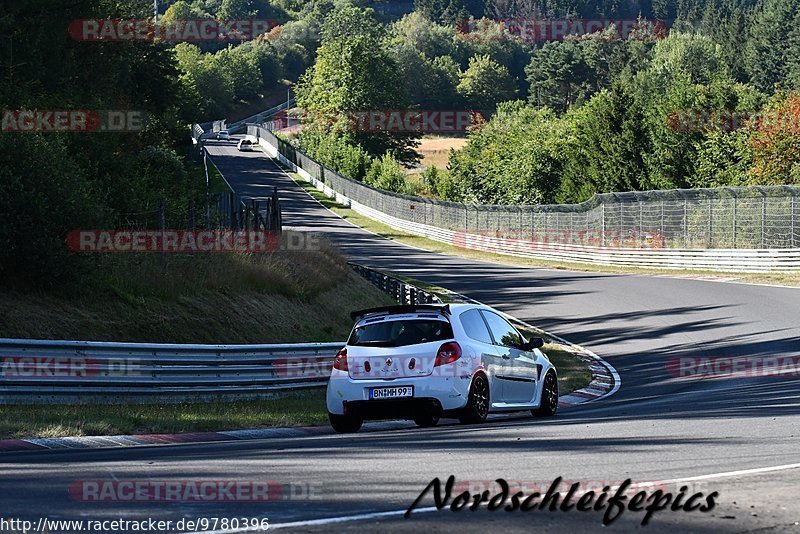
448 353
340 362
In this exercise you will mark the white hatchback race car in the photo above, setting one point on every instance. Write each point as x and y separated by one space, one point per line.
423 362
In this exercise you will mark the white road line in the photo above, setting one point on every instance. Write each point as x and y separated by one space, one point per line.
375 515
730 474
347 518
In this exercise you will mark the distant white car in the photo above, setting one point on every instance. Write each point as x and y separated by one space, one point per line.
245 145
224 135
423 362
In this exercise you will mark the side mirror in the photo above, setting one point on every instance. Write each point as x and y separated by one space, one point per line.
534 343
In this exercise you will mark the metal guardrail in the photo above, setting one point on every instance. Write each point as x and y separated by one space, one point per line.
401 291
594 235
33 371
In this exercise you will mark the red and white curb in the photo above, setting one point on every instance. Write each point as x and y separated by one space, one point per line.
603 383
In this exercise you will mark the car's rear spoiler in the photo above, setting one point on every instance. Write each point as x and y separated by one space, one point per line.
408 308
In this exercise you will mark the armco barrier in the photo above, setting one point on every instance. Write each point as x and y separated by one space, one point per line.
33 371
705 259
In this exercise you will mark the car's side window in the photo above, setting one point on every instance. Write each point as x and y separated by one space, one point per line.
504 334
475 327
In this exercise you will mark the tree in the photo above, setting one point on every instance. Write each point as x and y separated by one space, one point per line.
205 77
429 84
606 148
423 35
355 72
768 52
486 83
513 159
775 143
246 9
450 11
559 76
385 173
241 68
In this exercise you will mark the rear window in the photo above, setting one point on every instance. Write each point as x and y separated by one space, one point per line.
400 333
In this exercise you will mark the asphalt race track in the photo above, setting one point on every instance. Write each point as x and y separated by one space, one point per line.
717 435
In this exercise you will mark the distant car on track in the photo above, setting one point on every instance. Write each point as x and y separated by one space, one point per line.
423 362
245 145
224 135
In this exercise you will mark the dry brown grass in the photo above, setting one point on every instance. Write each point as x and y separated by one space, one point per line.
284 296
435 151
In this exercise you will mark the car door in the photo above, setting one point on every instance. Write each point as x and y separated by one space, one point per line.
475 327
517 372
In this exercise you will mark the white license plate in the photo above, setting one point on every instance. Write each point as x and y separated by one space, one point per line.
397 392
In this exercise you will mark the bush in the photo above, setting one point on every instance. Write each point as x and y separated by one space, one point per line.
385 173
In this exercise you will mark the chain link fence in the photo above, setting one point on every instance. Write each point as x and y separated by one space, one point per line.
758 217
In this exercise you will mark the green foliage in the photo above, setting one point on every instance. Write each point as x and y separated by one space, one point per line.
515 158
425 36
385 173
439 183
723 159
337 153
486 83
355 71
606 147
430 84
450 11
772 49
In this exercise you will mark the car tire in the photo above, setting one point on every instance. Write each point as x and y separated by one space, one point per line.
426 419
549 404
477 408
345 424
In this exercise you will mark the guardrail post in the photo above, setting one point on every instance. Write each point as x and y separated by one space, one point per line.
709 237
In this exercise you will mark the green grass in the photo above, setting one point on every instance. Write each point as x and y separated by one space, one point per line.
789 279
296 409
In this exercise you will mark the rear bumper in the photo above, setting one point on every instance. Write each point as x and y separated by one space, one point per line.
442 393
393 409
